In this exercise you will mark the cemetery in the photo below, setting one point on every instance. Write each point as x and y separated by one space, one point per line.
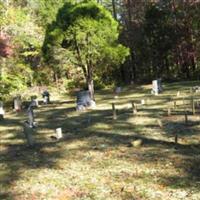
139 139
99 100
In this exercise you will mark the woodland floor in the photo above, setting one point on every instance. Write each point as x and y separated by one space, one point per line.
95 159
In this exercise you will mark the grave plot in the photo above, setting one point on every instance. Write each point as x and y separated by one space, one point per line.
129 157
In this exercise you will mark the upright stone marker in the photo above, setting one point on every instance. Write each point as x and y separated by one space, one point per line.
156 87
84 101
46 97
114 111
118 90
2 112
134 108
35 100
196 89
142 101
31 119
29 131
17 104
59 133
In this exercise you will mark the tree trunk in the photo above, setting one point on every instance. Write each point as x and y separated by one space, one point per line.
114 9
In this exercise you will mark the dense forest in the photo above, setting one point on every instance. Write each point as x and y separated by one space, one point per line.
104 42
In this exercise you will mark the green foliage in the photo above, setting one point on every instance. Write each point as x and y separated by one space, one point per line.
14 77
90 35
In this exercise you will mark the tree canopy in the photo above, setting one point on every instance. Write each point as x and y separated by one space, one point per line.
89 34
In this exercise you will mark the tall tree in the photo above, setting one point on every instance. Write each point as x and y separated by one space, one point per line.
90 35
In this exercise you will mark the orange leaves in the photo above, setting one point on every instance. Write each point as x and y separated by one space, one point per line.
6 49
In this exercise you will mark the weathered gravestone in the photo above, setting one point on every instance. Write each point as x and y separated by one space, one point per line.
29 126
31 119
84 101
2 112
29 132
118 90
46 97
156 87
17 104
59 133
35 100
196 89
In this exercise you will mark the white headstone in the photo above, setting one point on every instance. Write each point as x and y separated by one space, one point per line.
142 101
46 97
118 90
17 104
2 112
156 86
59 133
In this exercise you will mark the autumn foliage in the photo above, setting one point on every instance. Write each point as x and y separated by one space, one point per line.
5 46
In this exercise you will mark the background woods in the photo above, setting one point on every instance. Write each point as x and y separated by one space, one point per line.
162 40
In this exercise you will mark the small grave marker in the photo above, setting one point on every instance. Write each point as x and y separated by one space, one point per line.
186 116
193 105
46 97
175 104
59 133
17 104
156 87
114 111
160 124
118 90
169 111
196 89
134 108
29 131
137 143
2 112
31 119
142 101
35 100
176 139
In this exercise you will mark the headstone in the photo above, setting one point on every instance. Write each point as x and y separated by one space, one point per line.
84 101
142 101
59 133
156 87
2 112
35 100
31 119
17 104
137 143
118 90
46 97
28 131
196 89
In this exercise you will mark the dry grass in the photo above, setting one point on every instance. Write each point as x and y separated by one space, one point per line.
96 159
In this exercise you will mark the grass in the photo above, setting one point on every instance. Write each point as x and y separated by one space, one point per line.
95 158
